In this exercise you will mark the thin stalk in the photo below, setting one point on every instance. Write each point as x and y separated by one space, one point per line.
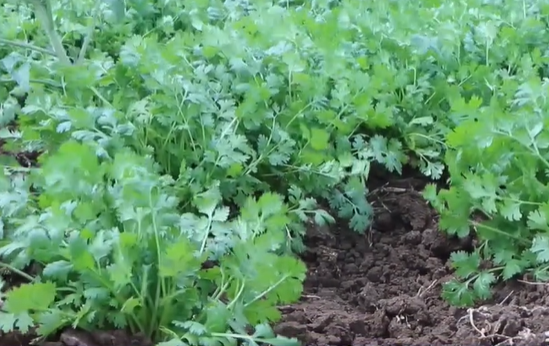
160 284
89 35
36 81
26 45
45 16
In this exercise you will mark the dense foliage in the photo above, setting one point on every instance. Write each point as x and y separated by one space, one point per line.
185 149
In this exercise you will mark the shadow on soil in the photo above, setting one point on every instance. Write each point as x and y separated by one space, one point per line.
383 287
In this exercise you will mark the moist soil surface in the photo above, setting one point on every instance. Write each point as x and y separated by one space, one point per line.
383 287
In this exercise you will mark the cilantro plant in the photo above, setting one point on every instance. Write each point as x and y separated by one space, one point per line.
185 149
122 240
497 154
116 252
216 94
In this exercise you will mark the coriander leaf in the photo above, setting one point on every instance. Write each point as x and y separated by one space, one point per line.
537 219
540 247
465 264
512 268
172 342
458 294
57 270
319 139
511 210
7 322
482 284
24 322
37 296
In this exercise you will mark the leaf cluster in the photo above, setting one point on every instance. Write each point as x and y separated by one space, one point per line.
116 252
497 155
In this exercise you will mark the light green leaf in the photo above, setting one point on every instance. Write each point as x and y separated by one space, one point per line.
320 139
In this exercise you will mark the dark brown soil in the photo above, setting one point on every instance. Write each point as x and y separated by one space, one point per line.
383 287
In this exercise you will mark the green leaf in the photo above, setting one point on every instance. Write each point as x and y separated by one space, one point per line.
264 334
24 322
118 8
57 270
130 305
51 321
458 294
465 264
81 258
172 342
540 247
511 210
22 77
537 220
7 322
430 193
30 297
482 284
320 139
178 258
512 268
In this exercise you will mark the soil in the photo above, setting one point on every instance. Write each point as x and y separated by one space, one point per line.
383 287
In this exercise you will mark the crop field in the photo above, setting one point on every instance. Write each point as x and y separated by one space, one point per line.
254 172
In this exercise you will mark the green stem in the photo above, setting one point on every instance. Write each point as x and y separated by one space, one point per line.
474 277
35 81
264 293
27 46
89 35
160 284
99 96
428 138
498 231
238 336
241 289
118 298
45 16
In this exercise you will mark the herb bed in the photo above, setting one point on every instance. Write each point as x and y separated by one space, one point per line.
383 289
167 169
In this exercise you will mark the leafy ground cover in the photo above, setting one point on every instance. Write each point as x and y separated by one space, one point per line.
202 174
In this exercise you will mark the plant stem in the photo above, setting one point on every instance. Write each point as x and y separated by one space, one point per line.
45 15
89 35
160 284
26 45
264 293
35 81
500 232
